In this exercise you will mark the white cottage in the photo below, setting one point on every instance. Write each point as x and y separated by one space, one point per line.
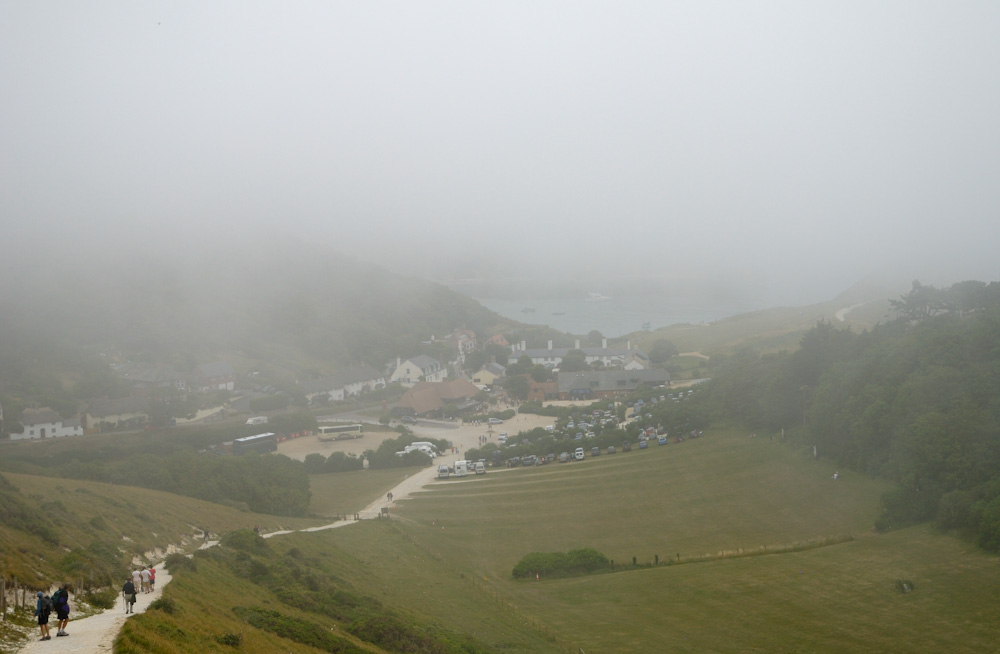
46 423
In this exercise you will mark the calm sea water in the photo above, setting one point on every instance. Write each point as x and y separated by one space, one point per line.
615 317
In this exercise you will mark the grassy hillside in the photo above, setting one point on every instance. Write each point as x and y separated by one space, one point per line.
285 313
774 556
780 328
68 529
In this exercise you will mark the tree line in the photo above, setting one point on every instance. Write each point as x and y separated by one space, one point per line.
913 400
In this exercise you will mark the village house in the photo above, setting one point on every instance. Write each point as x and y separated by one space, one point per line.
420 368
542 391
496 339
350 382
462 341
636 360
44 423
489 374
551 357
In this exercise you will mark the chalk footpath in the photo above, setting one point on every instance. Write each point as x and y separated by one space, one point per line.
97 632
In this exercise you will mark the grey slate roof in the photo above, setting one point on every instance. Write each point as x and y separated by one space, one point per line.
41 416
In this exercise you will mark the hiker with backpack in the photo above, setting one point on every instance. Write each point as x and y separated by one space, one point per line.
60 601
43 607
128 593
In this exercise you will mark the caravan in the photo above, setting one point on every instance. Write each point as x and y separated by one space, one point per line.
461 468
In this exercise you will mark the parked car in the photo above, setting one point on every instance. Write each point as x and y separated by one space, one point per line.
661 440
408 420
643 444
495 421
529 460
611 449
626 446
563 457
578 454
595 451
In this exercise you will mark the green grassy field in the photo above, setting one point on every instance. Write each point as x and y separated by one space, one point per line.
346 492
774 556
715 502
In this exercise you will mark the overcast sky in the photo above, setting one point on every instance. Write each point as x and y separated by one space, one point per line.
798 145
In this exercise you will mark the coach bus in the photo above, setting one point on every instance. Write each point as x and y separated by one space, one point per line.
340 432
261 443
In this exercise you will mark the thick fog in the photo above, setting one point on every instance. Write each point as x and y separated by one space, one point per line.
786 149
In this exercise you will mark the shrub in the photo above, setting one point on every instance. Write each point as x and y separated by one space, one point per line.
164 604
245 540
105 598
231 639
558 564
177 561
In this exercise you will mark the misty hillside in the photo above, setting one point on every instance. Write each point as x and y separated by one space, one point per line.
291 310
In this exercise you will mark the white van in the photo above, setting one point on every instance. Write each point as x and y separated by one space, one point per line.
461 468
258 420
578 454
443 472
429 451
480 468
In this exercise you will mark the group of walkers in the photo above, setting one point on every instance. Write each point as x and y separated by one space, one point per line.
45 605
142 580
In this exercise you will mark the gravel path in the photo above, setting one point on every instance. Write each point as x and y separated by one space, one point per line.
97 632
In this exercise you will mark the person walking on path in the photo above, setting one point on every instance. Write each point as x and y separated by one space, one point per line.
43 607
144 575
61 603
128 593
137 578
152 578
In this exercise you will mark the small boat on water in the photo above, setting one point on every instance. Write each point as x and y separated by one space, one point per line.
597 297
